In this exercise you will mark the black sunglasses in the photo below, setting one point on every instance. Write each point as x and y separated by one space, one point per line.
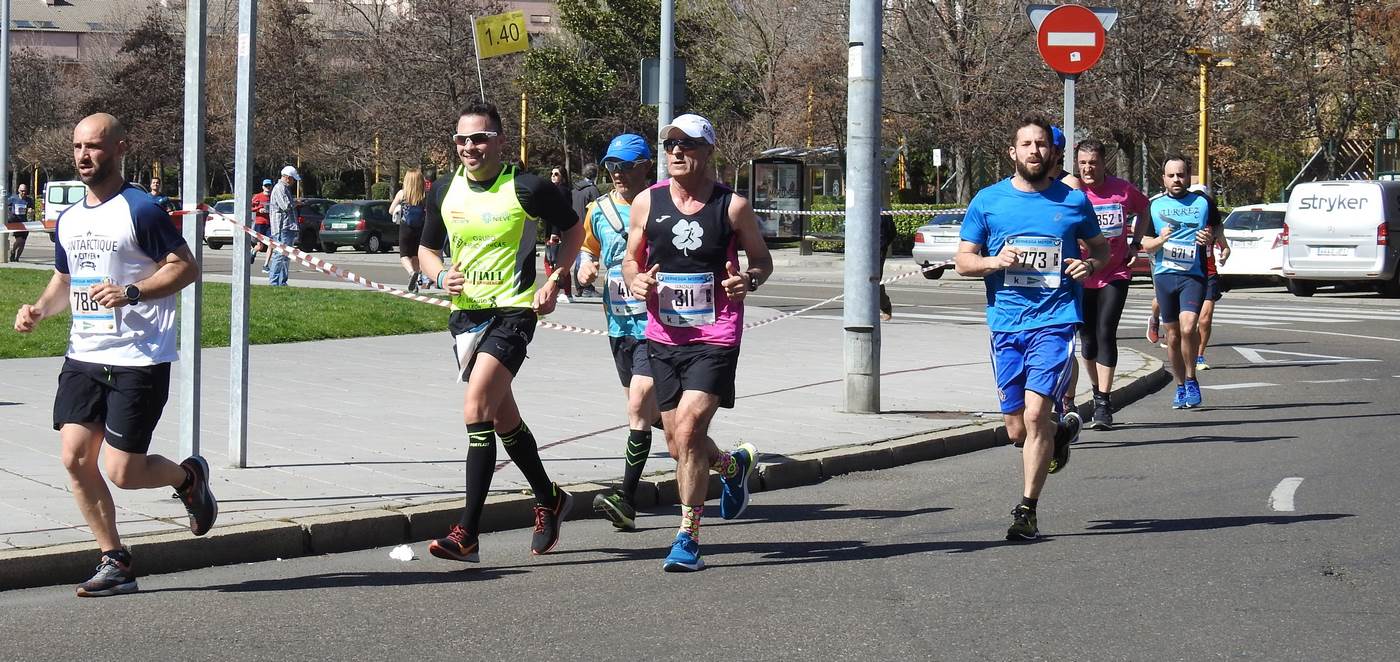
475 138
686 144
622 166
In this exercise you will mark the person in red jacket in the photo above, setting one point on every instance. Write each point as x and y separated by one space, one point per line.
261 223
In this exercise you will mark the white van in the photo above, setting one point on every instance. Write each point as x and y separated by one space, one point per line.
1341 232
59 196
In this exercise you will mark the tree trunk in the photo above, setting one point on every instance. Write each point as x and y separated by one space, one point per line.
964 181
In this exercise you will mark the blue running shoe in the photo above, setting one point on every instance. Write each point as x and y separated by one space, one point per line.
684 556
1179 402
735 496
1193 393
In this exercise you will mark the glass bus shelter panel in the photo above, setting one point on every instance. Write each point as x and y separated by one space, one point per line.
778 186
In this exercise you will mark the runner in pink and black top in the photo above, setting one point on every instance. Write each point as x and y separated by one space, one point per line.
1121 208
682 258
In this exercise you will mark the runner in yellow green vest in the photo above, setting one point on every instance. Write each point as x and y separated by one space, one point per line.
486 216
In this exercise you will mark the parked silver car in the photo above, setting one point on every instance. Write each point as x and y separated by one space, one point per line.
936 242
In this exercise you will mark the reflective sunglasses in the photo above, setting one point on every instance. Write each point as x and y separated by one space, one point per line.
474 138
686 144
622 166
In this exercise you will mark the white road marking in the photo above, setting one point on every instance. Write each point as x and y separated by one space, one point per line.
1281 499
1230 387
1257 356
1344 335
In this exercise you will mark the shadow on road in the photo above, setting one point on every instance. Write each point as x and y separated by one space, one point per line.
809 512
1111 527
337 580
1196 439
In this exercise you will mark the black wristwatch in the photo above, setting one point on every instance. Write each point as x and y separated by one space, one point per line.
753 281
133 293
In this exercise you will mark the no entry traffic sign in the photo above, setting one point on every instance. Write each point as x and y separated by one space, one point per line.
1070 39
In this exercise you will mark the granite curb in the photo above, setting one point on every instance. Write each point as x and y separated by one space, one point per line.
367 529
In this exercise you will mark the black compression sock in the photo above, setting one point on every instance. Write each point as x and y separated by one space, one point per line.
638 448
481 464
1029 502
523 451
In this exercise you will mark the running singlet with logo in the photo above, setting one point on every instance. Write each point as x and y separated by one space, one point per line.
1115 202
1046 226
490 231
1187 214
627 316
121 241
690 306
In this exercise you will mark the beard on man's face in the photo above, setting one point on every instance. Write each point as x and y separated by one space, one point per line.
1032 172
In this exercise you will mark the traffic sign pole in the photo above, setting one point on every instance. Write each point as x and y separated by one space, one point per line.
1069 122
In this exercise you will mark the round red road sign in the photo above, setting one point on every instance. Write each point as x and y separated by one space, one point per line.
1070 39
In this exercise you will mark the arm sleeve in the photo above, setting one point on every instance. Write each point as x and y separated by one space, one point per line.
155 233
1138 203
591 245
60 256
434 230
1212 213
974 225
1088 225
546 202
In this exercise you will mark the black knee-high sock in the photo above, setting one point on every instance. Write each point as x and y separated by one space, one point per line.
481 464
638 448
523 451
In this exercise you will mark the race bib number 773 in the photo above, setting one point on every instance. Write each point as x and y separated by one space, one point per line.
1039 263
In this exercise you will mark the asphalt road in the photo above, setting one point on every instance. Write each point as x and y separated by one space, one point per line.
1168 538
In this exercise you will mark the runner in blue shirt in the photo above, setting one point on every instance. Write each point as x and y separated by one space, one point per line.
1184 222
1021 235
605 223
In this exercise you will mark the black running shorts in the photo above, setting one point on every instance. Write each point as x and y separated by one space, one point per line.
128 400
699 367
630 355
510 333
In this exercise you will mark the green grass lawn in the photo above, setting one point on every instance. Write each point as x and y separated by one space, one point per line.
275 315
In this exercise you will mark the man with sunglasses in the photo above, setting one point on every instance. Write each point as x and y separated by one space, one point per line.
605 222
489 211
682 259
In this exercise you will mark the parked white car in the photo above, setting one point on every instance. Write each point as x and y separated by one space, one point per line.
1256 245
937 242
219 227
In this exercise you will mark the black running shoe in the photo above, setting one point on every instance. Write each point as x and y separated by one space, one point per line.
457 546
1103 414
547 519
199 501
113 578
1022 524
1066 433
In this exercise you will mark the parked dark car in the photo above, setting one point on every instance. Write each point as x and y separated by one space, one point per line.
310 211
364 224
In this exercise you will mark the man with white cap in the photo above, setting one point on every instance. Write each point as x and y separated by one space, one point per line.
605 223
683 260
283 215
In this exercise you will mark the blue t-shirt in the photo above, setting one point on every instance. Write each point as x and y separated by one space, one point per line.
19 207
1046 225
1187 214
626 316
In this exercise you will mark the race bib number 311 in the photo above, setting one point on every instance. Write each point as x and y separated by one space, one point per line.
89 316
1039 263
686 300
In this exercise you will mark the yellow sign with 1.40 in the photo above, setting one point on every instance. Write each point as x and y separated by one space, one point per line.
501 34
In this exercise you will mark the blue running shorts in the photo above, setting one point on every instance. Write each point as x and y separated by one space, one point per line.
1178 293
1039 360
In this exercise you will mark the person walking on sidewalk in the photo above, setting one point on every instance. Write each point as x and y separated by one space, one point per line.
1021 235
262 223
283 214
118 263
488 213
583 194
408 209
1122 215
1184 223
682 258
605 223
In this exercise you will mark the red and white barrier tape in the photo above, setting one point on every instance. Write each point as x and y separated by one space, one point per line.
330 269
842 212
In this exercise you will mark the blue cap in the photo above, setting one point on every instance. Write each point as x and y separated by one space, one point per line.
628 147
267 182
1058 137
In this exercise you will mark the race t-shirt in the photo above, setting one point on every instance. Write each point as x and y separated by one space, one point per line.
1187 214
122 241
1115 202
492 228
260 201
18 207
690 305
1046 226
627 316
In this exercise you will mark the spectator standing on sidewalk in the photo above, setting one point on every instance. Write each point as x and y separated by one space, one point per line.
584 193
283 214
261 223
409 211
19 208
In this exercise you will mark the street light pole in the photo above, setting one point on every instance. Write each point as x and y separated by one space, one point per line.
1205 58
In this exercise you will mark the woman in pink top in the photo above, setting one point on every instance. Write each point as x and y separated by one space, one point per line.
1106 291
